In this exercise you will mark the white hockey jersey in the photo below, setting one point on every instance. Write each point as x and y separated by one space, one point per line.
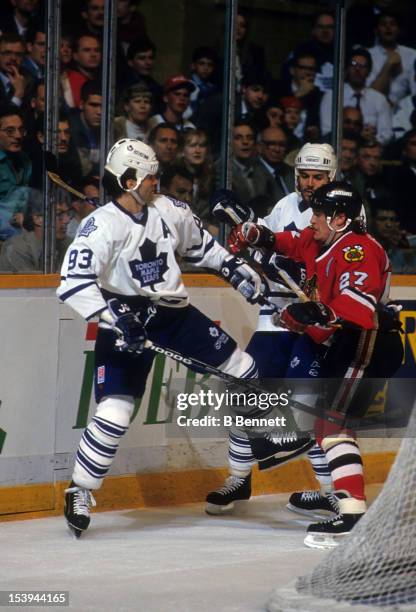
134 255
291 214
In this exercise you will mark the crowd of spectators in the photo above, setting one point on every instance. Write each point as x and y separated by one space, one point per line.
277 110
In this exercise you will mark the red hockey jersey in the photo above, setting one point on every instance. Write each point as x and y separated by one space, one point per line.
352 274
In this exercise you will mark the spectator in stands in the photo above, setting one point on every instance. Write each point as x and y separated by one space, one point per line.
404 116
272 114
69 162
361 22
292 107
23 253
177 182
251 183
321 47
141 57
197 159
272 148
93 17
402 182
130 23
302 85
349 155
352 120
374 106
90 187
15 82
87 58
250 57
370 179
15 165
164 140
250 104
34 62
204 63
85 127
36 106
393 64
22 17
65 51
387 230
137 107
177 94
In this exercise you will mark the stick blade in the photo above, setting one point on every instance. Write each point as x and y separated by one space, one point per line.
51 163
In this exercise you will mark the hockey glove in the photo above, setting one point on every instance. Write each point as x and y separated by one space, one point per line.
241 277
131 333
236 241
227 208
298 316
258 236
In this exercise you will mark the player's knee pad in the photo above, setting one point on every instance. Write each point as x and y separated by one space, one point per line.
240 365
116 409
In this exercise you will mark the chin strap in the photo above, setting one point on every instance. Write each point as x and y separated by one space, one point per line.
333 230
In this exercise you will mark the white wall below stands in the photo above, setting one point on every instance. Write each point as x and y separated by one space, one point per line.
46 384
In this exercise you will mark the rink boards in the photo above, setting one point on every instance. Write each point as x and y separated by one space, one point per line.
46 396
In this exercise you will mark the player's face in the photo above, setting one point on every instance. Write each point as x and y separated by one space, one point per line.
321 229
309 181
147 188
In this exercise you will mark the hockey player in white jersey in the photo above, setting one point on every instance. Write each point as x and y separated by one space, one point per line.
121 267
278 353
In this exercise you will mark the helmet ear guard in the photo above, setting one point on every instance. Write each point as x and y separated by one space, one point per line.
130 153
320 157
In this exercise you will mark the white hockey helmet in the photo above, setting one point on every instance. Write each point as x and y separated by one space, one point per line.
316 157
131 153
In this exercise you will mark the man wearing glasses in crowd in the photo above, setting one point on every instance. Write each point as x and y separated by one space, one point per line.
15 166
374 106
14 82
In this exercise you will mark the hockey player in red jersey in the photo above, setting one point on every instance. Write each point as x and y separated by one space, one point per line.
349 272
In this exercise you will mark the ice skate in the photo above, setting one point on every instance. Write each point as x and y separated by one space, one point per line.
329 533
235 488
77 508
314 504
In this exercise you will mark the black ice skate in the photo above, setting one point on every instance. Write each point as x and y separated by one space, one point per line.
235 488
315 505
77 508
274 449
329 533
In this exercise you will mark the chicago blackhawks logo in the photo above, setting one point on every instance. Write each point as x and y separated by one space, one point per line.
353 253
151 268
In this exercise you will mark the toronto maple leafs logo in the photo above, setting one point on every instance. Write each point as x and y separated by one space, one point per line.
151 268
88 228
214 332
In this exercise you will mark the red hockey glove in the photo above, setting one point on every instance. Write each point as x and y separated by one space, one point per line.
298 316
258 236
236 241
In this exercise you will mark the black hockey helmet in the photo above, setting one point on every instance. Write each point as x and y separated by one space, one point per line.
338 197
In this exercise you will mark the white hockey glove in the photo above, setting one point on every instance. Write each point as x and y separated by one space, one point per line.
227 208
128 327
242 277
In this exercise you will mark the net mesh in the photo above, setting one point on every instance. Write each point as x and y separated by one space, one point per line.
375 566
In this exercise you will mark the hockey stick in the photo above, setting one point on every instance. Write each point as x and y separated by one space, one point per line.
51 165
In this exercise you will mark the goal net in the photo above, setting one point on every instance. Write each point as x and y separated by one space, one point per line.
375 566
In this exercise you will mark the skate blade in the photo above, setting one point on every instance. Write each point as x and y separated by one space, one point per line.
215 510
313 514
74 531
282 457
323 541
